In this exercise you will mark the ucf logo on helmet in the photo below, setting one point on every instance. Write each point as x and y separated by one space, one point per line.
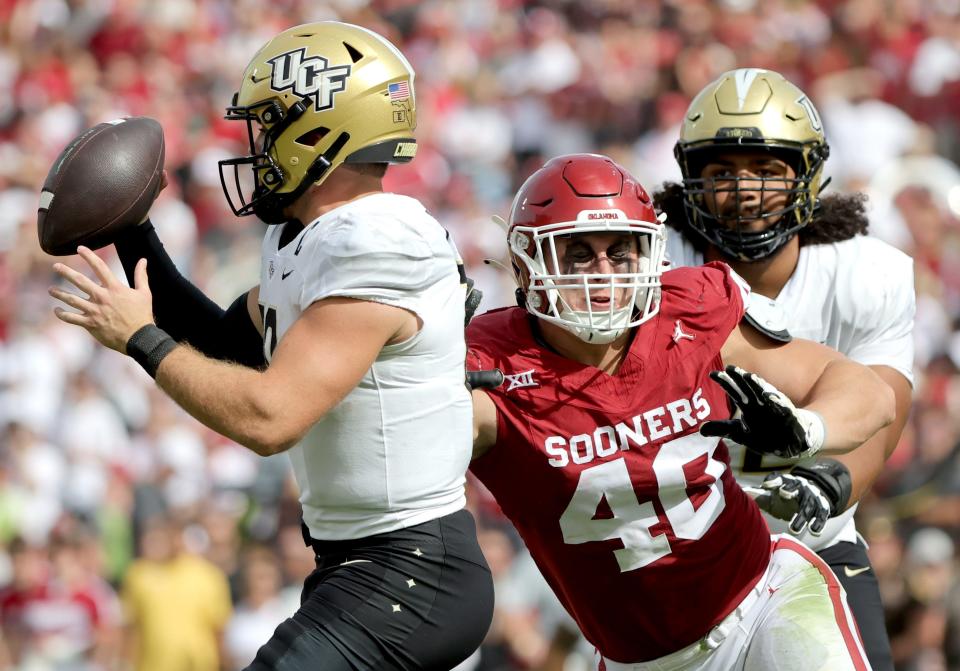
308 77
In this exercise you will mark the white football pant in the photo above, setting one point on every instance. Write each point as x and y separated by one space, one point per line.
795 619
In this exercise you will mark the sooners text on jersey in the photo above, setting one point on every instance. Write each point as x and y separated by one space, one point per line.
632 516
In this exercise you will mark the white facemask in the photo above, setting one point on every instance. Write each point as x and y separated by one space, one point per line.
544 291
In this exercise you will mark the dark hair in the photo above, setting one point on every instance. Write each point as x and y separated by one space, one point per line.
369 169
837 217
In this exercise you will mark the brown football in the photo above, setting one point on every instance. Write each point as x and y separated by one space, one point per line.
104 181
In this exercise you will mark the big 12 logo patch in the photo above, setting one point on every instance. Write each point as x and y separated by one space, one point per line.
293 71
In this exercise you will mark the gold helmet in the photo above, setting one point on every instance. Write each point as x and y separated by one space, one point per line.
755 109
315 96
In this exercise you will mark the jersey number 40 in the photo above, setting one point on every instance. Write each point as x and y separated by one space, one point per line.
632 520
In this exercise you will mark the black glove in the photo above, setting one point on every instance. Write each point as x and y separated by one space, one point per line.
769 423
484 379
471 303
807 495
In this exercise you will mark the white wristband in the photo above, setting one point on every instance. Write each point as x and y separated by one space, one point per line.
814 430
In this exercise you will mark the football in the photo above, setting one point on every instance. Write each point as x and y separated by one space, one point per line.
103 182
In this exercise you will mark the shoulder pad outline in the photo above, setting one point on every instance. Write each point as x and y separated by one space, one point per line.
767 317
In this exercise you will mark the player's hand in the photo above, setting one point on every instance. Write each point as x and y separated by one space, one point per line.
807 496
769 423
471 303
111 311
484 379
794 499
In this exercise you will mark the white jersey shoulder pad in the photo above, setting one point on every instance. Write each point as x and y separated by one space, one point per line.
385 248
874 280
767 317
874 297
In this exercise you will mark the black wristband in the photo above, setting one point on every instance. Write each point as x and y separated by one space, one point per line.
834 481
149 346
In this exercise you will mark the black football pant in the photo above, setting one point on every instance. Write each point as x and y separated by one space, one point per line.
848 561
417 598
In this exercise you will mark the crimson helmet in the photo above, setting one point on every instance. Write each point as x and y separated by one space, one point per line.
582 194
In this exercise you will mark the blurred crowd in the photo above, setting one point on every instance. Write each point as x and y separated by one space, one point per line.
132 537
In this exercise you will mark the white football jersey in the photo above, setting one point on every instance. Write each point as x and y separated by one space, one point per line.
393 453
856 296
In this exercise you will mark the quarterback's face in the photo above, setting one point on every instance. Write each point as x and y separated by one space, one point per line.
259 140
744 184
595 254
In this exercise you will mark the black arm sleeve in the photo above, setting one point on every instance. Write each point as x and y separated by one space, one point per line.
183 311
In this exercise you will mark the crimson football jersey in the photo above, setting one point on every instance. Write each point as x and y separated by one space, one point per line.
631 515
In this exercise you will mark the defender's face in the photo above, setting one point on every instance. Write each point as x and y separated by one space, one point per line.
745 183
595 255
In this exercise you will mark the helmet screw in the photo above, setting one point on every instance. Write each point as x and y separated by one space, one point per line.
520 241
294 160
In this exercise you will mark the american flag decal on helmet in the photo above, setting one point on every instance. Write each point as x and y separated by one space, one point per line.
399 91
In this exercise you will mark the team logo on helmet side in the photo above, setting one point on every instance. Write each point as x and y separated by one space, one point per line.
811 111
292 71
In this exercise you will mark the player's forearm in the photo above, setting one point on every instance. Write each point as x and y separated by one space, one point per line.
185 312
230 399
866 462
484 423
179 307
853 402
